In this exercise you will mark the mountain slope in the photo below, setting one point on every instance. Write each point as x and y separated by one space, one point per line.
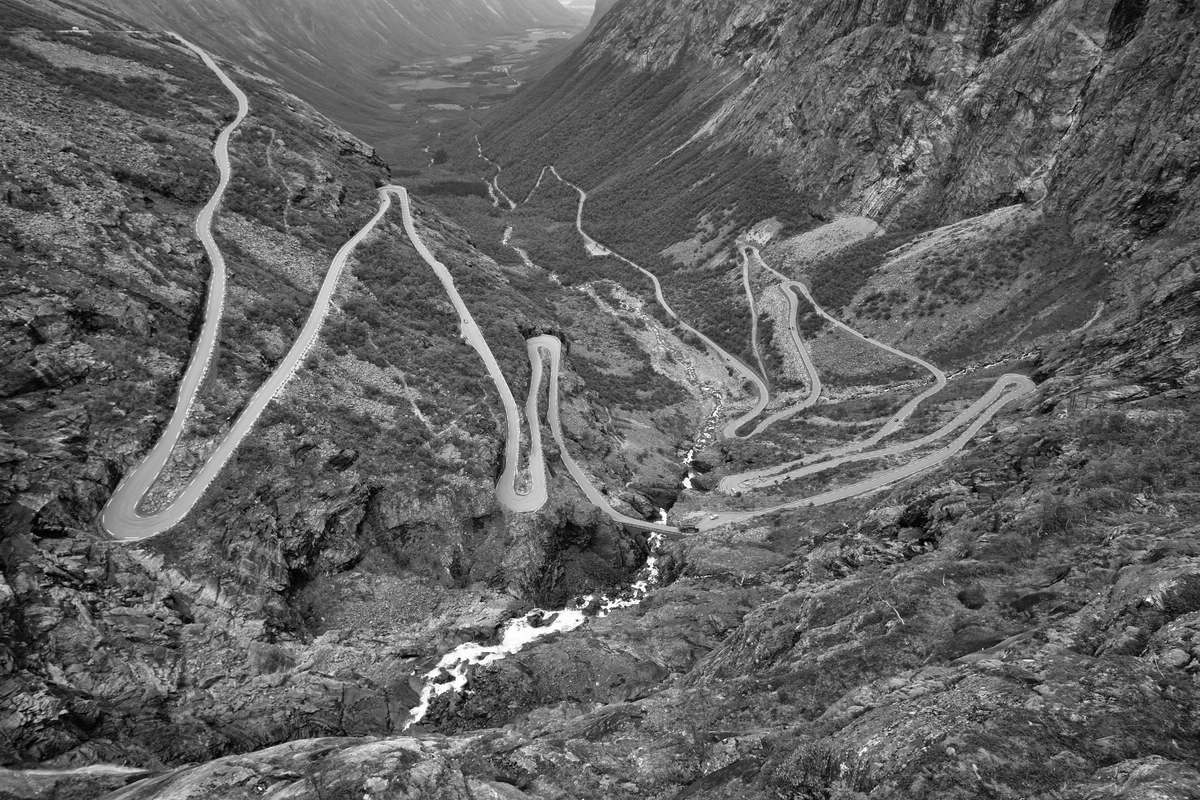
1022 622
1032 149
890 110
361 504
331 54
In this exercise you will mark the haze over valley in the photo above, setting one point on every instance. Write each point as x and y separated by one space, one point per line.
525 399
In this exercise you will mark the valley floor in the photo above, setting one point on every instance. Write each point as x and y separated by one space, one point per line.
893 563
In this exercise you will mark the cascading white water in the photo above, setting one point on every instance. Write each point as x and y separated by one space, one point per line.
452 670
689 459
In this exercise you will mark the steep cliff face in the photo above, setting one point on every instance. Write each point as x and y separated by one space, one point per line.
601 8
896 108
1027 160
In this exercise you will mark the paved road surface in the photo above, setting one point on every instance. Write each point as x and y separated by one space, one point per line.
813 394
552 347
739 482
734 364
1007 389
1004 386
1018 387
506 488
900 417
762 367
120 517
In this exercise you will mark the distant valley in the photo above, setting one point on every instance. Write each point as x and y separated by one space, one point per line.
351 59
511 399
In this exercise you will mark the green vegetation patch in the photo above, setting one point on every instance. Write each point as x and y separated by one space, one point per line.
837 278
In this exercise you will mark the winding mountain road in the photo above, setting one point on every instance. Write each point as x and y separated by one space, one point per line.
733 364
552 348
517 490
762 366
753 478
507 492
900 417
812 395
121 518
1008 389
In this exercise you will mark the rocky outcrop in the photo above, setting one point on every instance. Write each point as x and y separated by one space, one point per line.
355 535
1061 117
894 110
1022 622
1021 631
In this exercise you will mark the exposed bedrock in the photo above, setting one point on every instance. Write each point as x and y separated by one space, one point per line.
897 110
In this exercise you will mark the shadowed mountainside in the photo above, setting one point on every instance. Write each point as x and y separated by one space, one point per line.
994 184
331 54
1026 163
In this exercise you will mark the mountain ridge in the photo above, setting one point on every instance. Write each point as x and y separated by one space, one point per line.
855 198
333 55
947 66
